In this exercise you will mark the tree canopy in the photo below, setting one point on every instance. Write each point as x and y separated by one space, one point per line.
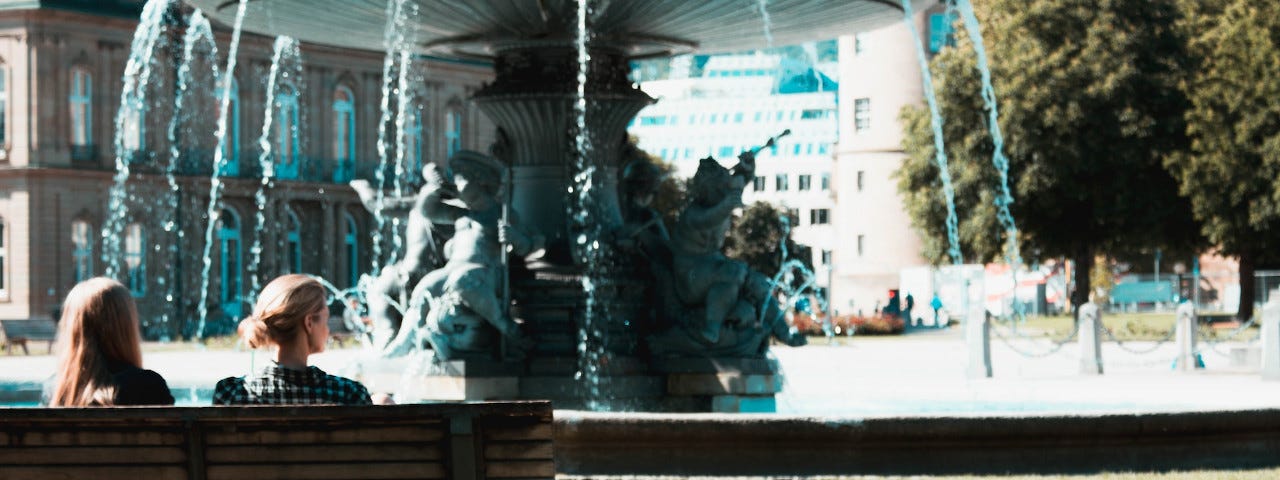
1231 170
1090 108
755 238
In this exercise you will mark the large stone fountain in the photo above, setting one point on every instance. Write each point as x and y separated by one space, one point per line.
682 327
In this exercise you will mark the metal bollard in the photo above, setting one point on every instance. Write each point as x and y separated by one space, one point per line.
1271 338
977 335
1185 330
1090 318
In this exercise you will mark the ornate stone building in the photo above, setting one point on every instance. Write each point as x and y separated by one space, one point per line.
61 67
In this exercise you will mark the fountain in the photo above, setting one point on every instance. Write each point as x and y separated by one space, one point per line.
589 332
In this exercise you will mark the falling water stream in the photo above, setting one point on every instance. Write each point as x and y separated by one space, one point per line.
198 41
940 153
219 163
1003 198
586 219
763 7
286 69
782 284
133 105
395 43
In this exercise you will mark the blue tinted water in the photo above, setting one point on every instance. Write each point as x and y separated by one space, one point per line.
26 395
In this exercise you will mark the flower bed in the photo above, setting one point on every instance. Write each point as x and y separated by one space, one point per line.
861 325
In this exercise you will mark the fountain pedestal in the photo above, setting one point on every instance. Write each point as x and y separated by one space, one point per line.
532 102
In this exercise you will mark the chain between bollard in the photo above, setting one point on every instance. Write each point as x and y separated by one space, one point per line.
1057 345
1120 343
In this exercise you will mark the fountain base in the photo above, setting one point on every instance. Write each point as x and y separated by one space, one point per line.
736 385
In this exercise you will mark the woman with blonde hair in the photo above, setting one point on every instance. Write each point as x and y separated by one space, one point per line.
292 314
99 356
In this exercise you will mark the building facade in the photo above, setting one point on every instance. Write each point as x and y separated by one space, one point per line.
737 103
880 74
61 74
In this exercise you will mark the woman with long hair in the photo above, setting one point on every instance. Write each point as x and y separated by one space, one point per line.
292 315
99 356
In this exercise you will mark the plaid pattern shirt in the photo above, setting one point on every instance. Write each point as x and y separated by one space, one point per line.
277 385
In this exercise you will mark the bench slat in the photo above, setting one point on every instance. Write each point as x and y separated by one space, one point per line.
92 455
539 450
521 469
89 438
369 471
325 453
509 440
94 472
231 436
539 431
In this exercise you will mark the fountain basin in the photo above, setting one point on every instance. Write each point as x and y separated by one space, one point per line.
760 445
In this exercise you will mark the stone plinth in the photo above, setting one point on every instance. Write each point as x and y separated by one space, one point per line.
726 385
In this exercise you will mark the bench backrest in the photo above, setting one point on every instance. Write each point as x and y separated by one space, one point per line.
440 441
30 329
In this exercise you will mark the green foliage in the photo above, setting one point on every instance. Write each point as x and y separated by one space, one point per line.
755 239
1232 170
671 193
1090 108
755 234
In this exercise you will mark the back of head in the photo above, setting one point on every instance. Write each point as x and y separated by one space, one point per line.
99 326
283 306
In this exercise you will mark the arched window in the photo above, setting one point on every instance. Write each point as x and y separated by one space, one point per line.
344 134
132 126
452 131
351 242
135 258
4 263
81 100
229 252
287 133
231 143
413 143
82 250
293 242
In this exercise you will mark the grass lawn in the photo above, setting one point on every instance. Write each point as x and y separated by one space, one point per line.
1124 326
1130 327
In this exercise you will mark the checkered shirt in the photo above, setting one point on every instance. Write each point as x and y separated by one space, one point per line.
277 385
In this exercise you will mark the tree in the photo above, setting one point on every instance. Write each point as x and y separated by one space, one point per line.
755 234
755 238
1231 172
1090 108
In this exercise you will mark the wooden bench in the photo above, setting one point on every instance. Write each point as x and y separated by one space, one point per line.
19 332
464 441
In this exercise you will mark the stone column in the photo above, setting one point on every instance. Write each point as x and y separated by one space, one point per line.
531 101
1271 338
1185 330
1090 325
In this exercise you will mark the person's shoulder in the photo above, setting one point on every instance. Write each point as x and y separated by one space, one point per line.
350 391
229 391
137 386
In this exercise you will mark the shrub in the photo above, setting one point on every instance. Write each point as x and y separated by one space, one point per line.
862 325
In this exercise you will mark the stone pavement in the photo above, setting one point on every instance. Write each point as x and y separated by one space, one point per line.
925 372
921 372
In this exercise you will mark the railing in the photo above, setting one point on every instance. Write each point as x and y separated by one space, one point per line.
85 156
